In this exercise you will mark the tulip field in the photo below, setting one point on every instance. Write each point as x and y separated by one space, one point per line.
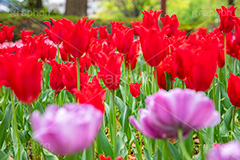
146 92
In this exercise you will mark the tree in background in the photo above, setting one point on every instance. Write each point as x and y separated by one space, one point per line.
231 2
128 8
163 7
35 4
76 7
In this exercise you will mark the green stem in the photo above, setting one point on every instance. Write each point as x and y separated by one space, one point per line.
201 144
68 57
78 75
96 71
114 129
58 53
156 79
167 149
15 128
93 152
233 121
183 85
153 81
225 53
153 141
137 103
60 98
147 70
140 140
124 80
182 146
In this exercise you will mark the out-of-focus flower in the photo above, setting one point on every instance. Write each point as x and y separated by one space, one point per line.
56 76
92 93
233 90
8 31
226 18
109 158
24 76
172 22
166 112
25 34
227 151
135 89
66 130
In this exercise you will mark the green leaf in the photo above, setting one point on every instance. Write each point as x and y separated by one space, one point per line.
106 146
228 117
121 148
4 156
174 152
157 155
189 144
138 151
125 122
146 154
48 155
5 124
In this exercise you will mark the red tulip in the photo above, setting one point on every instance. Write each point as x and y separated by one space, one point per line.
226 18
221 59
135 89
92 93
155 46
3 75
56 76
77 42
233 49
168 66
2 37
109 158
183 62
237 30
103 33
150 19
25 34
131 56
123 40
64 55
119 26
24 76
204 66
48 51
111 73
8 31
70 76
233 90
172 22
57 32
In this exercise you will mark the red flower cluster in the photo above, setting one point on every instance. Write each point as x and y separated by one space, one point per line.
6 34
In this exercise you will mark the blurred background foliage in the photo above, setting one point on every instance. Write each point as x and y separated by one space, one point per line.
29 14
